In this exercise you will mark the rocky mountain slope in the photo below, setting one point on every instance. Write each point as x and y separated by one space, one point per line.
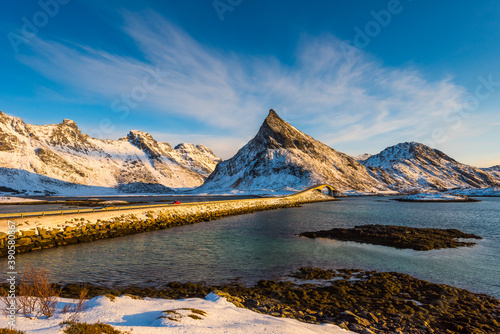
495 171
60 158
412 165
280 157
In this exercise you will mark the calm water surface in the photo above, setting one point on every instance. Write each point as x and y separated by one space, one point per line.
264 245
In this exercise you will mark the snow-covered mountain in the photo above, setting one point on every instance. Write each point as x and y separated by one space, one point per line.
495 171
280 157
412 165
59 156
362 157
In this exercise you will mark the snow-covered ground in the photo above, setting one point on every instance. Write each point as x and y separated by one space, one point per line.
435 196
150 316
474 192
14 200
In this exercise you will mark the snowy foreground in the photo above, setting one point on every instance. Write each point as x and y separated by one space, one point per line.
149 316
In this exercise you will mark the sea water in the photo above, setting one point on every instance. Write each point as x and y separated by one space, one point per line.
265 245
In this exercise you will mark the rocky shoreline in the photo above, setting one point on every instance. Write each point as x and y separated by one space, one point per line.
420 239
361 301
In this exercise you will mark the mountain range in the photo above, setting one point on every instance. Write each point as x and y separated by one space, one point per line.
60 159
280 157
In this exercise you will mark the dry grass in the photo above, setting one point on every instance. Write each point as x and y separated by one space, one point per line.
79 306
84 328
9 331
37 295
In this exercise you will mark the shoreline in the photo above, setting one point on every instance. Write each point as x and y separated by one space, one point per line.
355 300
38 233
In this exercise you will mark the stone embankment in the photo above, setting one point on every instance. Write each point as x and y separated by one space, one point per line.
81 229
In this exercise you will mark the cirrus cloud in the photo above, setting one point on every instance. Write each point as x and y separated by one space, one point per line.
337 100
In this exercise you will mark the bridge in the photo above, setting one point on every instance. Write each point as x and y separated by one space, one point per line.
325 189
322 188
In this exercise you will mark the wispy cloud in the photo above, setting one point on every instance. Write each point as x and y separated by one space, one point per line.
343 100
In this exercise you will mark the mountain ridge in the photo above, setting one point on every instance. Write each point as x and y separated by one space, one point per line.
279 158
411 165
62 152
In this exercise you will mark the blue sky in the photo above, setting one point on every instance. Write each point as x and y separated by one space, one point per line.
359 76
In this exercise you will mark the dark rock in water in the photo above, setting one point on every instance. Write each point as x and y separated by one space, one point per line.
420 239
310 273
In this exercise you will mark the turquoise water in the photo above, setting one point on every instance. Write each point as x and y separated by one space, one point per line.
264 245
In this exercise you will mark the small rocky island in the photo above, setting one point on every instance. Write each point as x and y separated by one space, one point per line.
420 239
436 197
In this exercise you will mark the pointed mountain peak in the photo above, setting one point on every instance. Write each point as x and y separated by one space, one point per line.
273 122
141 139
272 114
273 118
145 142
67 134
275 132
69 122
137 134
